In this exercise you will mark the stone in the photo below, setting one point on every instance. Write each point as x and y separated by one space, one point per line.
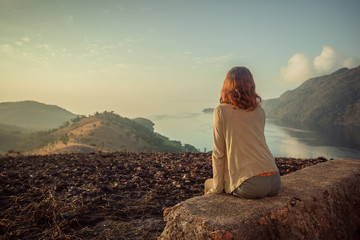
320 201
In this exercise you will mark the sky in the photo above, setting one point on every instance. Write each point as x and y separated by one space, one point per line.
142 58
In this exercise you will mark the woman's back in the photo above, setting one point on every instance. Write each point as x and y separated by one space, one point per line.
242 162
245 149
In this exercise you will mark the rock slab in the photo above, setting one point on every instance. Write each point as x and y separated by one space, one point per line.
318 202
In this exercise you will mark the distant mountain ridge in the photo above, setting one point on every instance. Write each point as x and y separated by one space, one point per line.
328 99
105 131
33 115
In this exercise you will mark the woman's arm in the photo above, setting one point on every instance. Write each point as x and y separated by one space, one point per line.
219 152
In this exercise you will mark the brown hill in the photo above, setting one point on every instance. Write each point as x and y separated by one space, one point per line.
109 132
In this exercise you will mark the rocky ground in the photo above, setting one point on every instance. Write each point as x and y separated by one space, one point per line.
101 195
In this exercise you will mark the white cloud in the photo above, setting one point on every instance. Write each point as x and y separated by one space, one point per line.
351 62
25 39
328 60
301 68
298 69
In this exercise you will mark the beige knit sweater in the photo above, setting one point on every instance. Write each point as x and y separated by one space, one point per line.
240 150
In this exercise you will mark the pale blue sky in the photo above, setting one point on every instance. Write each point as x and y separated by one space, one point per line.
141 58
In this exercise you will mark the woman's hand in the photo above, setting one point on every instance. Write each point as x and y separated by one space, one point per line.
211 190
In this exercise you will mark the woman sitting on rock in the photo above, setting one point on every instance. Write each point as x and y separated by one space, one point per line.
242 162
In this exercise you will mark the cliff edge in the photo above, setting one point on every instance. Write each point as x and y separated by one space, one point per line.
318 202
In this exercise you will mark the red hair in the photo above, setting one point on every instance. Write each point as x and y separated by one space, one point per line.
239 89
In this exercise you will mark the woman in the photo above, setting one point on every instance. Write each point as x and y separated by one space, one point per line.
242 162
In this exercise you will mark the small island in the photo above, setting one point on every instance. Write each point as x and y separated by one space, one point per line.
208 110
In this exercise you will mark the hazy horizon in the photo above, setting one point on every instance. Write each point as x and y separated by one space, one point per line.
149 58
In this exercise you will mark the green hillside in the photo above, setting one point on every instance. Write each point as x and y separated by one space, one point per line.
33 115
105 131
145 122
330 99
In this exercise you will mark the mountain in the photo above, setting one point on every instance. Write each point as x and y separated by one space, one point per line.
10 136
102 131
145 122
33 115
329 99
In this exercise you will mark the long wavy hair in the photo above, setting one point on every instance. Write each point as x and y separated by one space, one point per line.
239 89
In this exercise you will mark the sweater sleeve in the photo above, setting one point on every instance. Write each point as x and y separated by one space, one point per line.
219 152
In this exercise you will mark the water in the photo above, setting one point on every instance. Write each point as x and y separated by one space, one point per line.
283 139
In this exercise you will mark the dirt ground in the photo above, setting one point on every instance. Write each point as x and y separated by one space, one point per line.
101 195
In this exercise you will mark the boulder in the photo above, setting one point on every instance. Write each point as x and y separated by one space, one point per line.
318 202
